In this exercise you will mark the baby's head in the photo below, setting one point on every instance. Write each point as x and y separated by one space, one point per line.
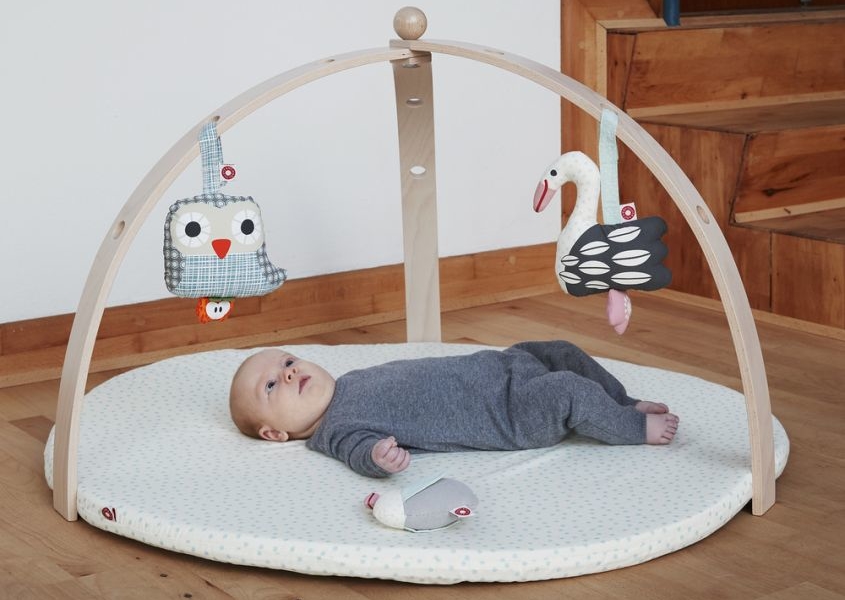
276 396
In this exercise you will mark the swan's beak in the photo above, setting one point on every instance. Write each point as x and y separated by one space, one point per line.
543 195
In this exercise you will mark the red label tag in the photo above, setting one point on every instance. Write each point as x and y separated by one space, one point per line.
462 512
628 212
228 172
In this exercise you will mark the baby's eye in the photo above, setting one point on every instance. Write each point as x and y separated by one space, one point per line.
289 362
270 385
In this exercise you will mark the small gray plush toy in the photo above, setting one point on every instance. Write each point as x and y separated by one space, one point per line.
427 505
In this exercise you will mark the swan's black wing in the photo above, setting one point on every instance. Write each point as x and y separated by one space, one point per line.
626 256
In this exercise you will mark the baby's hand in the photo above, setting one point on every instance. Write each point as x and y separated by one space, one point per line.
389 456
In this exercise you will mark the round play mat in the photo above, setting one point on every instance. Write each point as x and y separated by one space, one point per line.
161 462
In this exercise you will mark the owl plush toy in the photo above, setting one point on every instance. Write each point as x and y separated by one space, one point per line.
214 244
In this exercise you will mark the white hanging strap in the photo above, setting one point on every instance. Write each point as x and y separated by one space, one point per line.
609 167
211 154
618 303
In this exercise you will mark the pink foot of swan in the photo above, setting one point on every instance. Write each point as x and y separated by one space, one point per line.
618 310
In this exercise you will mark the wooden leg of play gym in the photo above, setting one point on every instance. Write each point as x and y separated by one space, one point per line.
415 115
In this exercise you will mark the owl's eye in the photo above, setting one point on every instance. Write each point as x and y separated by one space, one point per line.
246 227
193 229
553 173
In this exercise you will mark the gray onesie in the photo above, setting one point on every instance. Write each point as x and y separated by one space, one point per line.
530 395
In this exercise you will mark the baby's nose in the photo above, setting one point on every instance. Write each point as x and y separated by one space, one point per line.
290 372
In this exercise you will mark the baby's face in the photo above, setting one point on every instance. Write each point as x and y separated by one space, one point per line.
288 394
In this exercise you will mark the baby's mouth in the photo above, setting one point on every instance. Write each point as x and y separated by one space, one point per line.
302 383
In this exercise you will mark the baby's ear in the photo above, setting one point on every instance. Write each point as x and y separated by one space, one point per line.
273 435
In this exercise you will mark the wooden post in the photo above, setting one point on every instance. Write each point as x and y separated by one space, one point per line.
415 118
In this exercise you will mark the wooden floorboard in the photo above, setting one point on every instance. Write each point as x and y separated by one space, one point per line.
795 551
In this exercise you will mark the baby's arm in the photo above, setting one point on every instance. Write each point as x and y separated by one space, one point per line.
363 451
389 456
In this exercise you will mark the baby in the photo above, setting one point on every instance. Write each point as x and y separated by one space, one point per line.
530 395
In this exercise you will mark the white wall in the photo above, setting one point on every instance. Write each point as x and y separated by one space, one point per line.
94 92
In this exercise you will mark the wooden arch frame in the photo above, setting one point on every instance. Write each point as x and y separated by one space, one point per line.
411 61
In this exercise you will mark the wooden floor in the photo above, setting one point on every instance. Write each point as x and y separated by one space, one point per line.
795 551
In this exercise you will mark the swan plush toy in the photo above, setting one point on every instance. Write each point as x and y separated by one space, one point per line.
593 258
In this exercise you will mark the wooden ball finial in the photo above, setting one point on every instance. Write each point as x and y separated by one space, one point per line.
410 23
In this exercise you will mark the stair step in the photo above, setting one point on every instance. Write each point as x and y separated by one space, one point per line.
790 172
730 65
750 117
826 225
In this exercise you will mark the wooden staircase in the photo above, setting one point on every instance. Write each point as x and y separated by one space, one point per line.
752 107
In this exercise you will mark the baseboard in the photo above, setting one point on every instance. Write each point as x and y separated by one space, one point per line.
141 333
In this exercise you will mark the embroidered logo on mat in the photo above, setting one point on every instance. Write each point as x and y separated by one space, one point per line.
109 513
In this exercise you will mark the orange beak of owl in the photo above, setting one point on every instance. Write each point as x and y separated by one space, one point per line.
221 247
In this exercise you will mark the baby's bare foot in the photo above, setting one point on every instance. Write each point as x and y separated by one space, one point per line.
660 428
645 406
